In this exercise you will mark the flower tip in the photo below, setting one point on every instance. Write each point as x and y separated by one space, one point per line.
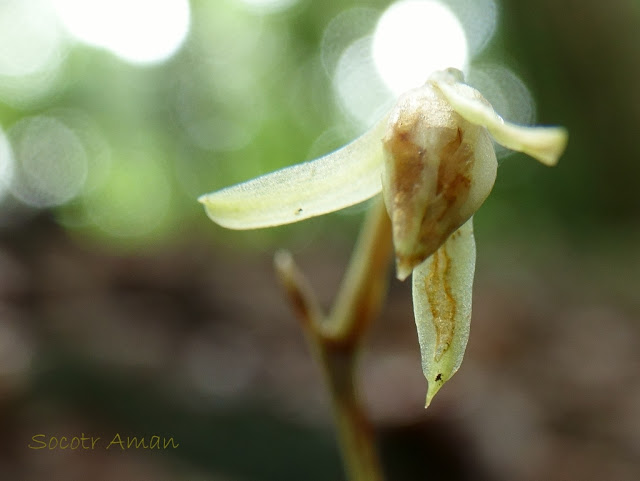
558 139
545 144
283 262
404 268
432 389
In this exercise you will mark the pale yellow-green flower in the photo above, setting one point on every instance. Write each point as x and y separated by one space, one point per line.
433 159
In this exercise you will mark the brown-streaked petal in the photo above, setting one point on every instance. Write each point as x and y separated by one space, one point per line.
442 288
439 169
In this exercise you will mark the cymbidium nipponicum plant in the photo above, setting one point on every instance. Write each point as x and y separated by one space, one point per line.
433 159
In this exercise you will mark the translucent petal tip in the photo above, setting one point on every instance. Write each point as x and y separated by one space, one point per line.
552 144
432 389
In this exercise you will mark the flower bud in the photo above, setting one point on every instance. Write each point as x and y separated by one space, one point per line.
439 168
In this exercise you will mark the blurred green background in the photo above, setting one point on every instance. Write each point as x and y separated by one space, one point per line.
123 309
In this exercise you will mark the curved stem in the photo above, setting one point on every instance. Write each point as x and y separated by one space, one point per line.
336 341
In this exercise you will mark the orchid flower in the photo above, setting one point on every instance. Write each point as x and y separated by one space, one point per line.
434 161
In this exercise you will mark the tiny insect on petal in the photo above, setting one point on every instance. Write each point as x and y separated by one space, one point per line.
340 179
442 288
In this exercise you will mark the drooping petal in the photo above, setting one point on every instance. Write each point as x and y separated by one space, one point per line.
442 287
545 144
340 179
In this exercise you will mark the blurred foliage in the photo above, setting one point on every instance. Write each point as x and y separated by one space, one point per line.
247 93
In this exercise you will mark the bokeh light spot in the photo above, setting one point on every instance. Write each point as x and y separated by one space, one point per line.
138 31
345 28
29 37
94 143
31 49
415 37
50 162
6 165
358 86
269 6
506 92
479 19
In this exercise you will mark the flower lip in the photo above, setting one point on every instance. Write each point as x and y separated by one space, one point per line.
442 292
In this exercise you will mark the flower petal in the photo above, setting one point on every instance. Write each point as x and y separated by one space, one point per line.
342 178
545 144
442 287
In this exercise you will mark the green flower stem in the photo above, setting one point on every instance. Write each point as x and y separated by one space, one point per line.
364 286
336 340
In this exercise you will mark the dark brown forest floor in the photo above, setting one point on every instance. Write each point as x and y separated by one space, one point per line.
196 344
